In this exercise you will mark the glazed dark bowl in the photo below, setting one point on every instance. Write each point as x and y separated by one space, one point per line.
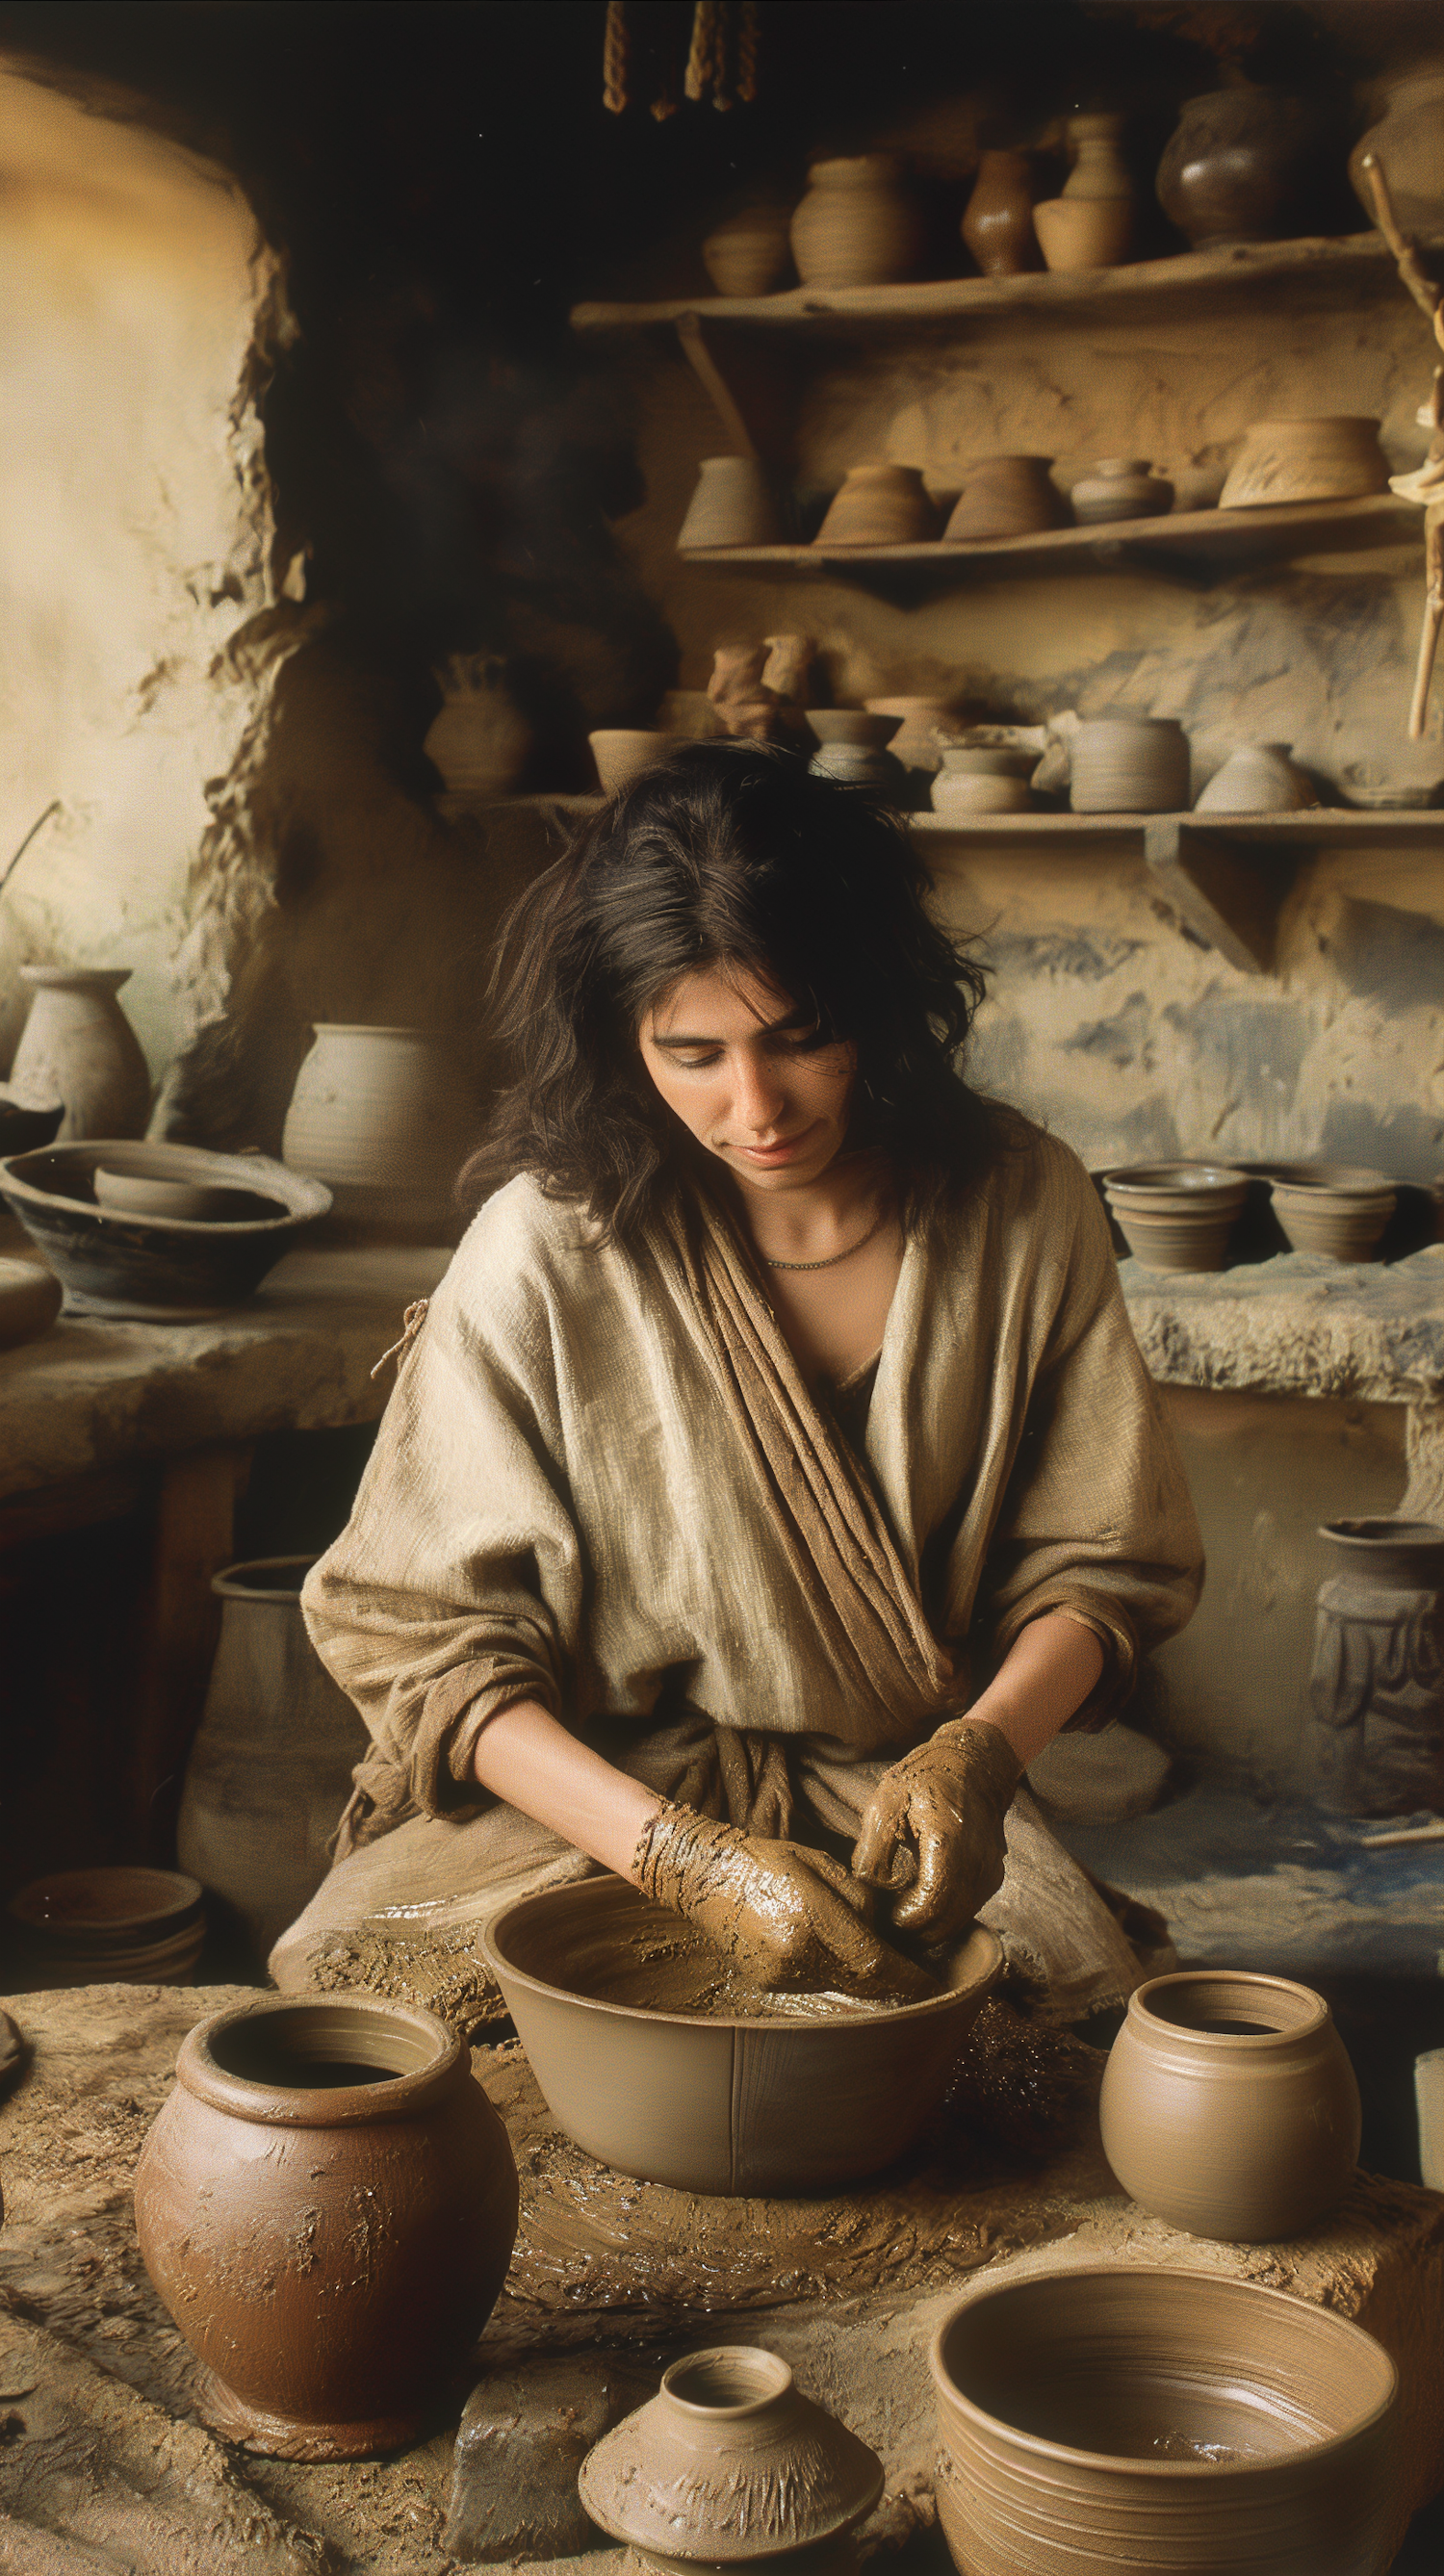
153 1268
717 2103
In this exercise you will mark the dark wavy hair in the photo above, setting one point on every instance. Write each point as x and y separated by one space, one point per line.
728 854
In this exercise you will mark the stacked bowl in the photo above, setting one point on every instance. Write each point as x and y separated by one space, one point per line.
110 1927
1177 1216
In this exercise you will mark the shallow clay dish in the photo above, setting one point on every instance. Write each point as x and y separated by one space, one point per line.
729 2463
1093 2420
161 1269
110 1926
805 2099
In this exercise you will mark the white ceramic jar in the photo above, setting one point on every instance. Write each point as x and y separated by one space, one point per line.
382 1117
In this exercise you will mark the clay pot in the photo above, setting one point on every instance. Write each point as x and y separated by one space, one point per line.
789 2101
852 748
983 782
997 224
1395 776
1242 165
327 2205
733 505
78 1046
481 742
879 505
29 1302
1257 779
164 1269
1177 1216
1331 458
1120 487
858 225
270 1769
915 743
122 1927
751 253
1005 496
729 2463
1127 764
382 1116
1339 1222
1229 2105
1099 170
1378 1728
1085 232
1408 141
1094 2419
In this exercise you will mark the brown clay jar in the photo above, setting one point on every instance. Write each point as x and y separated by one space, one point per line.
997 225
327 2205
1229 2105
1244 165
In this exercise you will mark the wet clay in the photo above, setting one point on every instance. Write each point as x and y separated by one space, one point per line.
668 1966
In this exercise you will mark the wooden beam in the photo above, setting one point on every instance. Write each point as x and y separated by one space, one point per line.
1227 892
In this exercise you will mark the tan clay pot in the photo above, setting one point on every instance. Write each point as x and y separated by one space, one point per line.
733 505
858 225
1177 1216
1332 458
383 1117
1120 487
1005 496
481 742
983 782
1128 764
1257 779
1409 142
997 224
729 2463
1168 2423
327 2205
1337 1222
1229 2105
78 1046
751 253
852 747
789 2102
1099 170
623 753
915 743
879 505
1085 232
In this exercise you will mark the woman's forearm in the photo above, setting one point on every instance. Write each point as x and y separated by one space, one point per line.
524 1756
1046 1675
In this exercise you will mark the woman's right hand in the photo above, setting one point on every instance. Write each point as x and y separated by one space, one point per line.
788 1919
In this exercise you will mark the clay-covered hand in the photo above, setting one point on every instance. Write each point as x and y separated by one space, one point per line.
934 1827
787 1918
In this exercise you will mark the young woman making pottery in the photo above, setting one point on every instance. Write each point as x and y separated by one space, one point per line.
774 1472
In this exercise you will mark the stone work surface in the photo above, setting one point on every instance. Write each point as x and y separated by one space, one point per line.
104 2470
1297 1325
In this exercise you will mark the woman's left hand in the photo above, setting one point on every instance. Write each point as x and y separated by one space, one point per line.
939 1812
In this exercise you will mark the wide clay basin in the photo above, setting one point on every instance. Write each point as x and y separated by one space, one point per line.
802 2100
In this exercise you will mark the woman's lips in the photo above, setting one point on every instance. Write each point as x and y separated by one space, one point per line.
782 1152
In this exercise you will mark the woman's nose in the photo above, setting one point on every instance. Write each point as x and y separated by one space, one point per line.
757 1094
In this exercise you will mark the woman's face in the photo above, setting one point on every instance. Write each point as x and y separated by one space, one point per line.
732 1058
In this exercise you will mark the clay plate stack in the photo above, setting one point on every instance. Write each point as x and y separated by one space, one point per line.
110 1927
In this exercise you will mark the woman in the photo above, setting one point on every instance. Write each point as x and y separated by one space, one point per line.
774 1472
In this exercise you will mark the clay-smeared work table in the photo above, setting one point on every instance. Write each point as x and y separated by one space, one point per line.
103 2465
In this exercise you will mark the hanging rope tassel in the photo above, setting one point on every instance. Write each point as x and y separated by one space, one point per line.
411 1323
614 59
749 39
702 60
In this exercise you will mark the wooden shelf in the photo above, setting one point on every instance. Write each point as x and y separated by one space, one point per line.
1315 827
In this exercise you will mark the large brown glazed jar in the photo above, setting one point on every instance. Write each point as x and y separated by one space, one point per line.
1241 166
1229 2105
327 2205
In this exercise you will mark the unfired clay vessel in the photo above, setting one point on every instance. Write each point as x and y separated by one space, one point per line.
879 505
270 1769
1340 1216
997 225
1126 764
1005 496
1085 232
1229 2105
124 1927
1120 487
624 752
1177 1216
1093 2420
1242 165
1377 1684
852 748
1409 142
78 1046
858 225
384 1118
733 505
915 743
480 741
983 782
1257 779
327 2205
751 253
728 2463
1334 457
147 1194
148 1268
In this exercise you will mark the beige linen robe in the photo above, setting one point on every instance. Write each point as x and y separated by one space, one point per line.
568 1502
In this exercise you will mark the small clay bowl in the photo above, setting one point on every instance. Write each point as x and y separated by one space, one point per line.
1333 1211
729 2463
1177 1216
158 1269
795 2101
119 1927
144 1194
1116 2417
880 505
622 755
851 725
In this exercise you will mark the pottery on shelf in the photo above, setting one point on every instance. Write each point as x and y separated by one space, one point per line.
120 1927
751 252
1005 496
852 748
29 1302
327 2205
733 505
1177 1216
1408 142
481 742
879 505
1333 1210
1229 2106
158 1269
1395 776
78 1046
384 1118
270 1769
1242 165
1097 2418
1258 778
729 2463
915 743
1125 764
1120 487
1085 232
783 2098
858 225
983 781
997 222
1099 170
1377 1738
1334 457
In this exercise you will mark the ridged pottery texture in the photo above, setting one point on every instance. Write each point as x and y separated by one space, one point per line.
858 225
382 1116
327 2205
1229 2105
78 1046
1145 2422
